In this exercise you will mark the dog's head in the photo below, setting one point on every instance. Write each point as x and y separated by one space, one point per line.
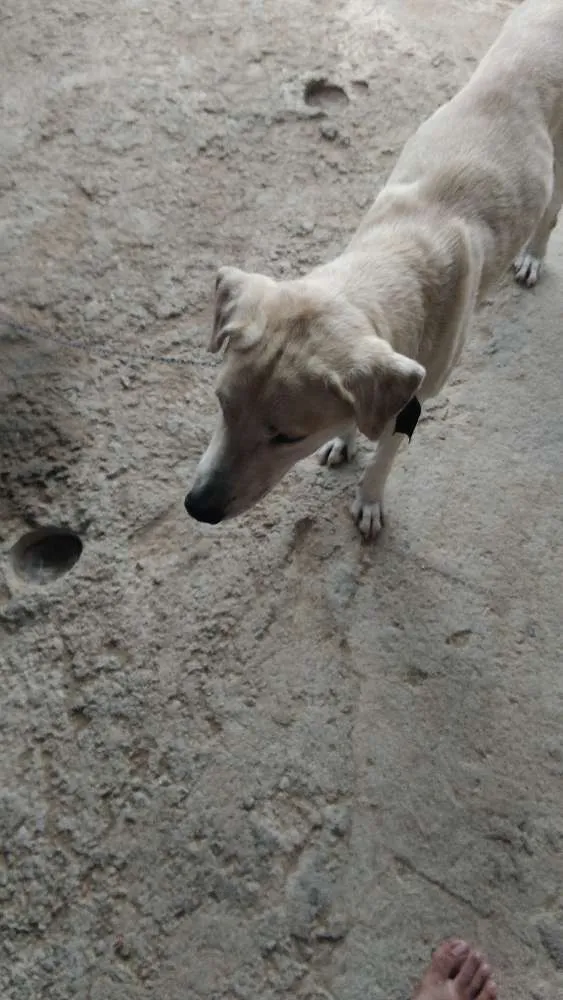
301 363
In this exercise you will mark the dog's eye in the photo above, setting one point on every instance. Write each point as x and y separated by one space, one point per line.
285 439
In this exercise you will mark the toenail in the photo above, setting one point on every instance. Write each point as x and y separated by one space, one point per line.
460 948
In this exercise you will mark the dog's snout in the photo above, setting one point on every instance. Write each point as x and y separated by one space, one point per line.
205 505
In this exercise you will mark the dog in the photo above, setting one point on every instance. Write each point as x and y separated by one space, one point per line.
361 342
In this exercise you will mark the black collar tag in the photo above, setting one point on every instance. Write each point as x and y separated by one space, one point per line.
407 419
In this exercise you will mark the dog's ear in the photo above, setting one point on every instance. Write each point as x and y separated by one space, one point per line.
240 308
380 384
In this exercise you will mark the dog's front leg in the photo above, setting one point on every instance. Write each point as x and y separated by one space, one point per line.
367 509
339 449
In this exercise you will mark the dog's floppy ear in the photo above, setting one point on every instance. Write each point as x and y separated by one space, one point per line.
240 308
381 383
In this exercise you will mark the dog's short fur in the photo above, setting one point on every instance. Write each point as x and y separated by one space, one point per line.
479 186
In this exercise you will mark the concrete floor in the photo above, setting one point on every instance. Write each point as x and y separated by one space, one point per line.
260 760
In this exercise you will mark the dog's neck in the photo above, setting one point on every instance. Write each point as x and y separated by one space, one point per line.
385 282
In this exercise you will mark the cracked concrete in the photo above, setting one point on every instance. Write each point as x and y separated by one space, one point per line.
260 760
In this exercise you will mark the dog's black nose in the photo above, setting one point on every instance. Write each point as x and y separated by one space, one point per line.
200 506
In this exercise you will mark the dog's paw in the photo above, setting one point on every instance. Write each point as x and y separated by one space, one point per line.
368 517
527 268
337 452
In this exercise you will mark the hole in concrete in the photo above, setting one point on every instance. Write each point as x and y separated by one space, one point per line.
45 554
360 87
322 94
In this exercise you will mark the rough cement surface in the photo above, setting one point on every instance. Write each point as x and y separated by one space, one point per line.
260 760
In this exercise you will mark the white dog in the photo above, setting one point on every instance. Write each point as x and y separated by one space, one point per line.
359 341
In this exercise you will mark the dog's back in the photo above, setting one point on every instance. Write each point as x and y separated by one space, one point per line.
526 61
487 155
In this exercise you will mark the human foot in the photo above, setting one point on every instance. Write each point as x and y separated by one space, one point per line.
456 972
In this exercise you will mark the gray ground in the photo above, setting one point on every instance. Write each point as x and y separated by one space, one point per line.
260 760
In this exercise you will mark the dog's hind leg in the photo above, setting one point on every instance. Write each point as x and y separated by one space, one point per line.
528 264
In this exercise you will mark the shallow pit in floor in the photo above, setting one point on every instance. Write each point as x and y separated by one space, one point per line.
45 554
